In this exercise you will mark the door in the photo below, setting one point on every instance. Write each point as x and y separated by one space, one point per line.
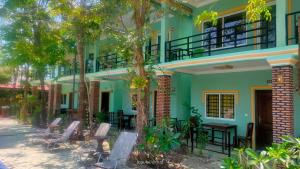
263 118
105 102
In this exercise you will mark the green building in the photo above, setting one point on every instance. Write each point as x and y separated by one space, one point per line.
235 72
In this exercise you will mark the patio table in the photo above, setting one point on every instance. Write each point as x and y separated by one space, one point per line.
225 128
127 118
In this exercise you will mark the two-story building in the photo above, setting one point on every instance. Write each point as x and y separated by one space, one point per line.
234 72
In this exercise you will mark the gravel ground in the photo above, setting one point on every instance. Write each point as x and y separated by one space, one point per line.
20 148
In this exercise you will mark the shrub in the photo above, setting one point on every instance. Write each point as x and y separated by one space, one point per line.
286 154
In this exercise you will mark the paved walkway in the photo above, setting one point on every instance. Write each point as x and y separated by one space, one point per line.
18 151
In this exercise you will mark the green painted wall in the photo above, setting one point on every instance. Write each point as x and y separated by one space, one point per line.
241 81
180 95
297 105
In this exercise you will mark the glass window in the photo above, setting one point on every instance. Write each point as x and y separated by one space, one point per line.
224 33
64 99
214 33
220 105
234 26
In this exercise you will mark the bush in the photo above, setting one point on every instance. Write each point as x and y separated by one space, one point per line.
286 154
157 144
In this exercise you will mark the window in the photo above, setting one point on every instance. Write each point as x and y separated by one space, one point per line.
64 99
224 33
220 105
133 101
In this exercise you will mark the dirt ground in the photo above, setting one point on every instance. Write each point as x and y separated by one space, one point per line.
21 148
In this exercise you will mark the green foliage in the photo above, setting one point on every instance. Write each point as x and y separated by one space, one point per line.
257 9
211 16
160 140
100 117
285 154
138 82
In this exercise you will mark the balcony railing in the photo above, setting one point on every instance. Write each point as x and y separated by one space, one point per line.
152 53
292 28
110 61
241 37
67 70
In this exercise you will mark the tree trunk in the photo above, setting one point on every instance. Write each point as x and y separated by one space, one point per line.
43 100
140 11
82 87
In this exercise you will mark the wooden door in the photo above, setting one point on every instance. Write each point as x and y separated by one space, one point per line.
263 127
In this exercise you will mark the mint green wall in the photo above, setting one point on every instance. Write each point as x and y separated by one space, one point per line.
295 5
241 81
180 95
296 105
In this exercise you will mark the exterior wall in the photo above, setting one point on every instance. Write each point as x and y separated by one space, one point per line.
180 96
296 105
241 81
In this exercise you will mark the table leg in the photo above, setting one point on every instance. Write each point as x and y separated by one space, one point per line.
235 136
223 144
212 136
226 139
229 148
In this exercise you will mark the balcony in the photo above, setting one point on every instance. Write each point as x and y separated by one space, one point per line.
110 61
240 37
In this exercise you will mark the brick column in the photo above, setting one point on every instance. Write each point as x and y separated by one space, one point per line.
163 98
298 64
94 98
282 101
56 98
50 99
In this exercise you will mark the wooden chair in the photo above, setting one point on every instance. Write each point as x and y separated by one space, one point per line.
246 140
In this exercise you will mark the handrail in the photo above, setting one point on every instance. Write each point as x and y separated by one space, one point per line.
262 35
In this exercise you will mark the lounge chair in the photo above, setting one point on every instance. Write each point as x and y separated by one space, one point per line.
2 165
120 152
65 136
47 132
94 147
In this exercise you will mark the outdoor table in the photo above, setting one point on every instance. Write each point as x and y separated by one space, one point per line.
222 127
127 119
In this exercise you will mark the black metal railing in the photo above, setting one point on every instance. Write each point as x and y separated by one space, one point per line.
292 34
245 36
110 61
152 53
68 70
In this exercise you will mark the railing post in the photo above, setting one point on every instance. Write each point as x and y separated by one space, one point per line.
188 45
209 43
235 37
298 32
287 29
267 34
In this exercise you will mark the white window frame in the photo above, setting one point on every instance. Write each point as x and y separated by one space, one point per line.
220 93
62 99
223 24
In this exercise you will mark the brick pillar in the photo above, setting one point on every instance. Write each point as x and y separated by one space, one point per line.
50 99
282 102
298 64
163 98
57 98
94 98
35 91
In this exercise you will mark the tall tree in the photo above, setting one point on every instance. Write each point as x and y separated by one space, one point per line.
31 40
81 20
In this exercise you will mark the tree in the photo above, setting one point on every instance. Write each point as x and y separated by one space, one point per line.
80 19
31 41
